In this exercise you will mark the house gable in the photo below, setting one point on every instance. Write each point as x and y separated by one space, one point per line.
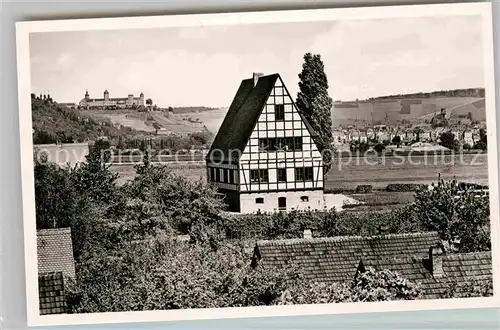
280 142
240 119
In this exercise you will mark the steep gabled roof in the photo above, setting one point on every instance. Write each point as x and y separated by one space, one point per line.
242 117
334 259
55 252
459 268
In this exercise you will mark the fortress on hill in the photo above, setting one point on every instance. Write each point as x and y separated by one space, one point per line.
116 102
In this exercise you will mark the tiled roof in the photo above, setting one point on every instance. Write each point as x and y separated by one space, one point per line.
55 252
456 267
242 116
51 294
334 259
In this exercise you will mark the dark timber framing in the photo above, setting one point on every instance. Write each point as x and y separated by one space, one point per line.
269 150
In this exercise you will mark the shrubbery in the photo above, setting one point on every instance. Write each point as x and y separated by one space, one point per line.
323 224
403 187
364 189
368 286
158 273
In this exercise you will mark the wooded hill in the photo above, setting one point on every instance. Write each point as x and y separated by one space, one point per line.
55 123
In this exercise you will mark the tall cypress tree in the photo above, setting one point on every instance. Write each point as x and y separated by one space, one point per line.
314 103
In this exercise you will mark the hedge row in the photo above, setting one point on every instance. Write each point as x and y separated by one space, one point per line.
322 224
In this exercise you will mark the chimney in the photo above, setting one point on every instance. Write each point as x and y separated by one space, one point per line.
256 76
308 233
436 260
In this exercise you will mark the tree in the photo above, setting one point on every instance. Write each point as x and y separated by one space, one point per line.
61 204
417 131
397 140
483 140
379 147
149 103
314 103
447 140
461 215
94 176
192 208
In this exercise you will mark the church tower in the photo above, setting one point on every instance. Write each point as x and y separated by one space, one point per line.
87 96
141 99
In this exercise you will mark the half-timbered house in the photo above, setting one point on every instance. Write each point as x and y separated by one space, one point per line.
264 157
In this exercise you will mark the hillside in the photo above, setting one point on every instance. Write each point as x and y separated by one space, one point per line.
150 121
179 110
392 111
53 122
468 92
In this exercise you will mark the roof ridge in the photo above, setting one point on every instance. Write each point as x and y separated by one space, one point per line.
347 238
462 254
53 231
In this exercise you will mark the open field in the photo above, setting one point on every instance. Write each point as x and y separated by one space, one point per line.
127 172
128 118
212 119
381 200
175 124
379 172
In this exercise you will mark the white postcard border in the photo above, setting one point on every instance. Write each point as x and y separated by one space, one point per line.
23 61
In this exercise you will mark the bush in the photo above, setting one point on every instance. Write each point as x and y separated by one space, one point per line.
448 140
379 147
473 287
364 189
403 187
323 224
367 286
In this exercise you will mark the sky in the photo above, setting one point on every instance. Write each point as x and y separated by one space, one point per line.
203 66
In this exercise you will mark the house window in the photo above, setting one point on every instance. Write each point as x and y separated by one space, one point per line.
304 198
267 145
217 175
231 176
281 174
297 143
259 176
221 174
279 112
280 144
304 174
226 176
259 200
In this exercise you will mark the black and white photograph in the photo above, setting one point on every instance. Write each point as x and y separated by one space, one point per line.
258 164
